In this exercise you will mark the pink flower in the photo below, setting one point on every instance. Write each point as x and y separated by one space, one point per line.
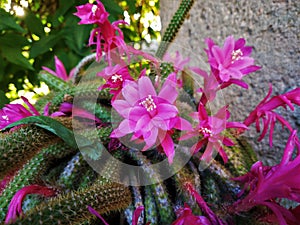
104 36
60 70
91 13
209 128
186 217
177 60
15 206
115 76
149 116
264 111
268 183
233 61
11 113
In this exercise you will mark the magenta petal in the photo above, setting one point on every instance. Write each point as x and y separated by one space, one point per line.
166 111
183 124
136 214
168 91
122 107
143 123
93 211
168 147
159 123
31 107
150 140
218 54
60 69
130 92
145 87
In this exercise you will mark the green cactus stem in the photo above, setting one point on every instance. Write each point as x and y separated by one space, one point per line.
151 213
173 26
19 145
164 207
32 170
54 82
72 207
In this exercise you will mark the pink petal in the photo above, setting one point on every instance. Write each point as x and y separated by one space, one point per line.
136 214
145 87
60 69
168 146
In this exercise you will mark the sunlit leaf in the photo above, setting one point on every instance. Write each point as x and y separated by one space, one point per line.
13 40
3 99
14 55
44 44
34 24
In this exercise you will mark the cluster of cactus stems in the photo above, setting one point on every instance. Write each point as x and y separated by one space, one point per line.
43 154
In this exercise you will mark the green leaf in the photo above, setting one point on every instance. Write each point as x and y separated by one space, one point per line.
34 24
77 36
90 148
64 6
44 44
3 99
7 22
131 7
13 40
14 55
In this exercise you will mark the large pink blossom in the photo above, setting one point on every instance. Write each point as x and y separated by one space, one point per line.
60 70
106 36
15 206
11 113
209 129
232 61
149 116
264 111
266 184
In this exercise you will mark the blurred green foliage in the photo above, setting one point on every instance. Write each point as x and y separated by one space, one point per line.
48 28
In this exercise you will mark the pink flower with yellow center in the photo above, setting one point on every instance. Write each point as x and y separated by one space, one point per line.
149 116
232 61
210 129
115 76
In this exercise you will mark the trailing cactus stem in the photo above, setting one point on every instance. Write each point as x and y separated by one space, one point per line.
31 172
173 26
20 145
54 82
72 207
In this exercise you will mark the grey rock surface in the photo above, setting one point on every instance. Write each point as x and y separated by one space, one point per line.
273 29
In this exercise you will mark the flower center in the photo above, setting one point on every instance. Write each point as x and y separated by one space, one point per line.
148 103
236 55
94 9
116 78
205 131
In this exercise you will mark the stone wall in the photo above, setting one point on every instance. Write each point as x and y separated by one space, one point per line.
273 28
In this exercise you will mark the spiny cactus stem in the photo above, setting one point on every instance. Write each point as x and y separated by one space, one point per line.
174 26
